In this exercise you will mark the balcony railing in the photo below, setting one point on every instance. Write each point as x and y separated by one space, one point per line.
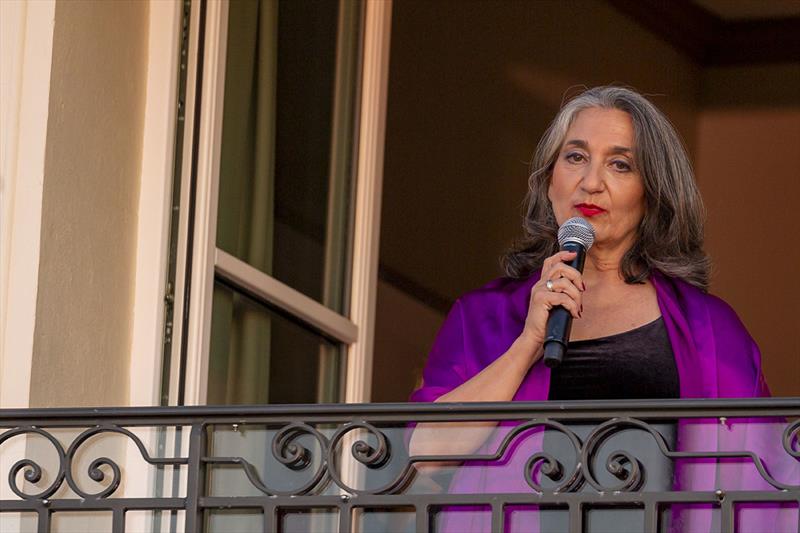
573 466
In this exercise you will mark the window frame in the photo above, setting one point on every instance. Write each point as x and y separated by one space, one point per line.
200 261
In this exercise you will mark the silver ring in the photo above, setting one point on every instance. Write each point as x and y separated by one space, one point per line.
549 285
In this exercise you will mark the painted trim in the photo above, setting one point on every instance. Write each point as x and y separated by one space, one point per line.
285 297
158 141
182 228
205 227
369 183
25 136
153 226
25 63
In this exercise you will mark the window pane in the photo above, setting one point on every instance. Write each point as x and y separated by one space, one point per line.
287 142
259 356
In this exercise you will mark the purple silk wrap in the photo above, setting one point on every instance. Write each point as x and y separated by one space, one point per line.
715 357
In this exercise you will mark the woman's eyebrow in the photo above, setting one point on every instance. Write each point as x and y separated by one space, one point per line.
580 143
620 150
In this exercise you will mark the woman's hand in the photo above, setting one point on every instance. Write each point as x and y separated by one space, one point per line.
567 291
500 381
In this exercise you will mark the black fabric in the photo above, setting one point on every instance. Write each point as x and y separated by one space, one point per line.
634 364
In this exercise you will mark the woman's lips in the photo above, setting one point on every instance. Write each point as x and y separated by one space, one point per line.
589 210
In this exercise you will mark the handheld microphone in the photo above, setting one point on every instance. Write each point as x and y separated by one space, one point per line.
575 235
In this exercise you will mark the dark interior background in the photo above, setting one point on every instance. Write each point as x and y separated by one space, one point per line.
473 85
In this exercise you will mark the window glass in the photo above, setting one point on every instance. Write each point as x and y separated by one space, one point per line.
287 142
259 356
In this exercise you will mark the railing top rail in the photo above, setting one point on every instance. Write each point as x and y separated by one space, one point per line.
403 412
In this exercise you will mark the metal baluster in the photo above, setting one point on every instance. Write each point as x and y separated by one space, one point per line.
118 520
270 518
195 486
576 517
498 520
44 521
345 518
726 516
651 512
423 518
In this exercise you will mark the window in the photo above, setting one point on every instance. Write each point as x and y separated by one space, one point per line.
280 185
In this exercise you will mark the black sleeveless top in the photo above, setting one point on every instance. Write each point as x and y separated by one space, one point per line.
634 364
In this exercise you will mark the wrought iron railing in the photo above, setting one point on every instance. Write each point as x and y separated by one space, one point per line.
347 467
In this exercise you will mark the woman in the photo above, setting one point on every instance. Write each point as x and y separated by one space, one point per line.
643 323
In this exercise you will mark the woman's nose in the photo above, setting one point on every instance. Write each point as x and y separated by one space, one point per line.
592 180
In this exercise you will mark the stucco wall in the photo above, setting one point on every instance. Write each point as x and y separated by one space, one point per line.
89 207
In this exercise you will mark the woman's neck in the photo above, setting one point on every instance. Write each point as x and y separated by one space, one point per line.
603 265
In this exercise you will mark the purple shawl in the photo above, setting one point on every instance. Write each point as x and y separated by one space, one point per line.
715 357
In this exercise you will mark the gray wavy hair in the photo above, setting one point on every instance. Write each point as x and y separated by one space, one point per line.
670 236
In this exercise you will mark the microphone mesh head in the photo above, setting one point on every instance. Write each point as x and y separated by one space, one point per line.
576 230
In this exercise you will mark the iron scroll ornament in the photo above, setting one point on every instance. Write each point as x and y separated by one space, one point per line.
291 454
620 463
33 474
375 458
634 478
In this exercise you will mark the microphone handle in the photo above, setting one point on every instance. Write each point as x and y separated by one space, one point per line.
559 322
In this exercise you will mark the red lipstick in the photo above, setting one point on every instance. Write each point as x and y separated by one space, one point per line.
589 210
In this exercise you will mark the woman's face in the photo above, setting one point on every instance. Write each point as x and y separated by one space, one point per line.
595 177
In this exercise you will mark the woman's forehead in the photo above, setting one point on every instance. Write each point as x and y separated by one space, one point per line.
597 127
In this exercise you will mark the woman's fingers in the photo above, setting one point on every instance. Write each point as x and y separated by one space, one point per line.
562 270
566 286
565 289
556 259
545 299
562 299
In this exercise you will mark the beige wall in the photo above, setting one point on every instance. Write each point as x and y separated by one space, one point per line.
91 187
748 168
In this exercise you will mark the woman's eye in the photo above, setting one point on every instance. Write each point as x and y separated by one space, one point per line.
622 166
574 157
